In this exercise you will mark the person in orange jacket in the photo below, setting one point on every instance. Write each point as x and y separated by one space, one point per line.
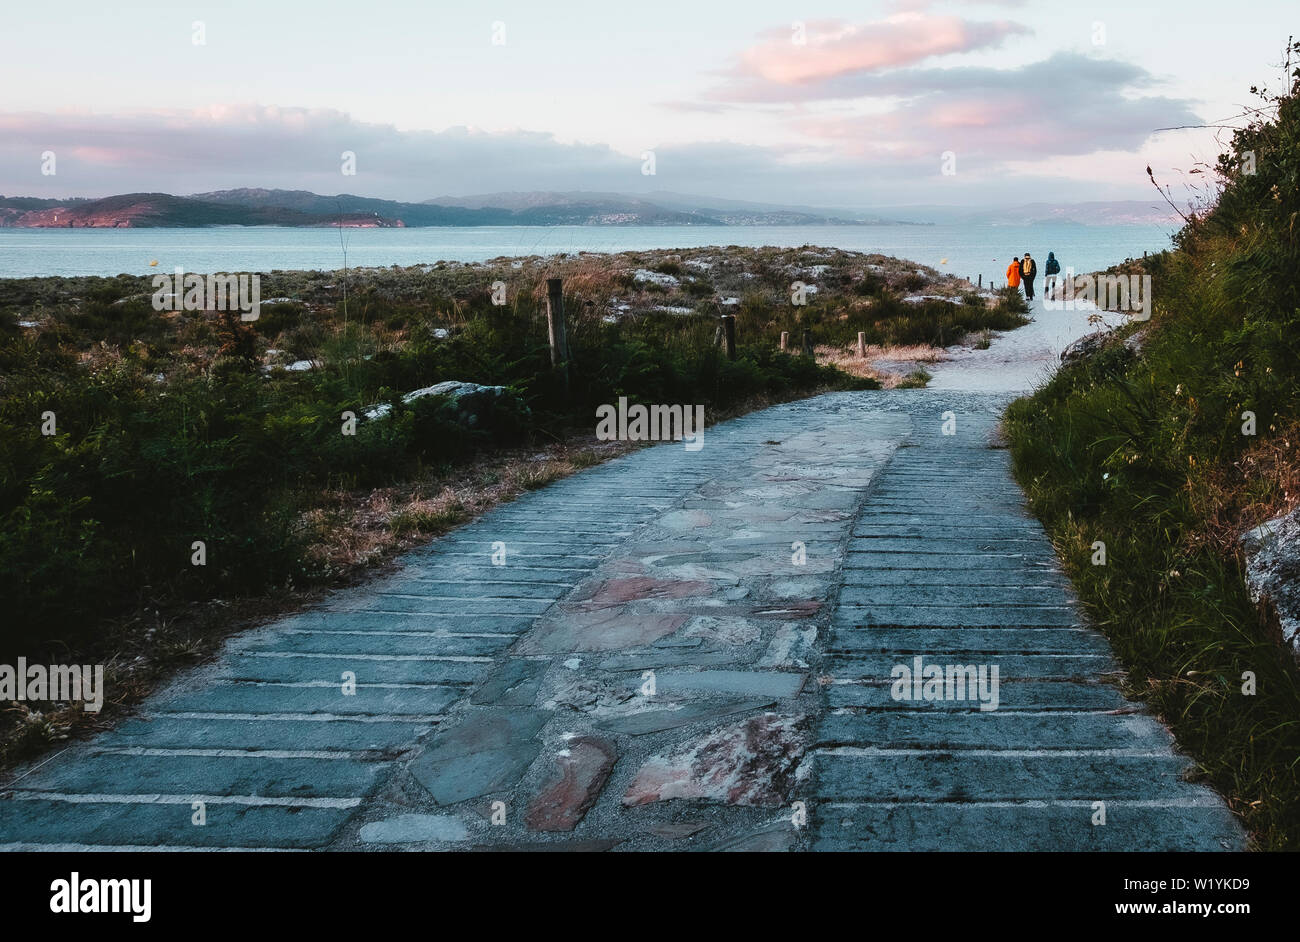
1013 273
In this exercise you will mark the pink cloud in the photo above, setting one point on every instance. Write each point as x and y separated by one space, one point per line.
988 126
833 48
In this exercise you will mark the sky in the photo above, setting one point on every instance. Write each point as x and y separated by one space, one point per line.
829 104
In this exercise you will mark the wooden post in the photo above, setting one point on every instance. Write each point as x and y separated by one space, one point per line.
729 335
862 345
807 343
555 322
555 326
785 341
981 281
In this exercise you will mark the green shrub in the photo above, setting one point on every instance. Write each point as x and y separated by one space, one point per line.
1146 454
104 515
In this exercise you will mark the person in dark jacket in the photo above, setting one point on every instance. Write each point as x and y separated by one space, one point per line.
1050 271
1028 272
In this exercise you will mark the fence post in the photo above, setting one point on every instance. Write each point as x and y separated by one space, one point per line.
729 335
785 341
555 327
862 345
807 343
555 321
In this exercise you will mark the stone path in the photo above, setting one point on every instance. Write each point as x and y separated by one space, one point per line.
669 651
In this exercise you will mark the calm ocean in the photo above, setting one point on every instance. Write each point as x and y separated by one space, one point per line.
968 250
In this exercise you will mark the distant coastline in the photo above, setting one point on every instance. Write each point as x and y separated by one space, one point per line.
301 209
304 209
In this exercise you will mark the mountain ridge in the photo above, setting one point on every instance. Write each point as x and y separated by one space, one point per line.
257 206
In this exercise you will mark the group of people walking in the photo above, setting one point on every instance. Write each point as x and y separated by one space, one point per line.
1023 271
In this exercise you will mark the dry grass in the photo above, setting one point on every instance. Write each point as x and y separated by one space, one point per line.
352 530
1232 500
887 365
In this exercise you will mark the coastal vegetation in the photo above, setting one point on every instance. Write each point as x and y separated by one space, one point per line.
1167 447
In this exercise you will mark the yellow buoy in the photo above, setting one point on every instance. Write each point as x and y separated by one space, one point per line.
154 263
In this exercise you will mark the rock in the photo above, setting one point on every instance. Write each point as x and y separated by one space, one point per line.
604 630
654 277
723 629
1135 341
472 403
676 830
513 683
686 520
796 588
749 763
777 837
792 646
489 751
415 828
772 684
1090 344
1084 347
674 715
659 658
1273 571
575 782
636 588
593 695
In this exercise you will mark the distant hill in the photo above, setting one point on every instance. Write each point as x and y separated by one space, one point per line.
328 208
675 208
157 210
264 207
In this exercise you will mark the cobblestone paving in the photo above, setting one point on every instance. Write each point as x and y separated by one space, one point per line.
675 650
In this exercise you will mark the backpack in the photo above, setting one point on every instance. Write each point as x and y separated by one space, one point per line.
1028 268
1053 267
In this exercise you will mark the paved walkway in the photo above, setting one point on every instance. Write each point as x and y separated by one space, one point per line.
945 568
675 650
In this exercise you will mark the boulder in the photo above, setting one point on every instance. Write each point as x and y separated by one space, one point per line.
1084 347
1273 571
1135 341
473 403
1091 344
